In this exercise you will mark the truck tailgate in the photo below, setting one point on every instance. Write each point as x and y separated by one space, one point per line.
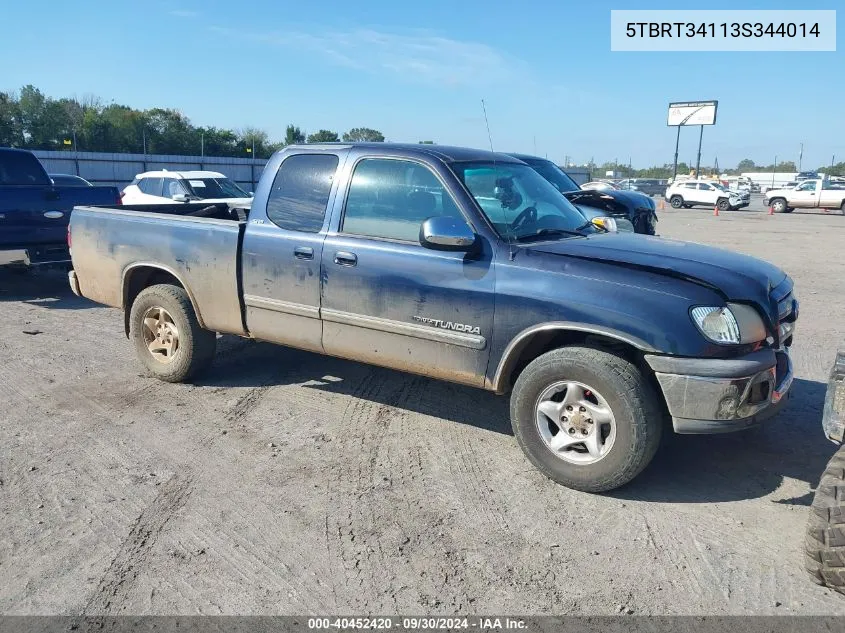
32 215
111 245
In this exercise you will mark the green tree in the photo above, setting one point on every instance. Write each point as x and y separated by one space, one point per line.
293 135
746 164
426 143
363 134
323 136
11 131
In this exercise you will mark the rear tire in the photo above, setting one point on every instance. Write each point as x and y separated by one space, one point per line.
612 383
167 335
824 545
676 201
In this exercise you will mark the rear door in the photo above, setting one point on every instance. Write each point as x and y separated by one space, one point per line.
832 194
282 248
388 300
150 189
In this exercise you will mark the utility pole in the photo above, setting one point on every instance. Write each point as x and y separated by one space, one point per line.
800 156
675 168
774 169
202 144
535 144
698 161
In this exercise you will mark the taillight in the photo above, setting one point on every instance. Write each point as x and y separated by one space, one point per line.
68 236
120 197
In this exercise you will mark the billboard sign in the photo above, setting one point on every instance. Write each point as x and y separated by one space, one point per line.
692 113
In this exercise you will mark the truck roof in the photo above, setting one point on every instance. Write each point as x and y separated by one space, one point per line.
445 153
164 173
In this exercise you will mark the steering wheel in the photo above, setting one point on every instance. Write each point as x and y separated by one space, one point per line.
528 215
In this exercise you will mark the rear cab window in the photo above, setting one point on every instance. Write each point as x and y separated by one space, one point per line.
300 192
21 168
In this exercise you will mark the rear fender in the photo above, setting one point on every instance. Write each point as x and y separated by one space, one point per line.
152 274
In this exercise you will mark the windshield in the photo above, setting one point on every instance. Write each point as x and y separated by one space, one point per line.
519 202
554 174
207 188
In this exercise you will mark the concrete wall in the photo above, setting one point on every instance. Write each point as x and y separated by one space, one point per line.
119 170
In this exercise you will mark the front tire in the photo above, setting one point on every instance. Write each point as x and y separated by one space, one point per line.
723 204
167 335
586 418
824 545
676 201
779 205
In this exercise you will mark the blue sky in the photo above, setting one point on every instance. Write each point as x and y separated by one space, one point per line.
418 71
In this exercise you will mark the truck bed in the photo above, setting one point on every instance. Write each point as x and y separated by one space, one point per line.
197 244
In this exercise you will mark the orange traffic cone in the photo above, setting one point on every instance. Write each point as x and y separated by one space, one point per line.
662 205
771 210
716 210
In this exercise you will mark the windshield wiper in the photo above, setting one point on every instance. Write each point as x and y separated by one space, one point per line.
543 233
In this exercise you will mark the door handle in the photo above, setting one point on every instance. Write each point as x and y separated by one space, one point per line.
303 252
345 258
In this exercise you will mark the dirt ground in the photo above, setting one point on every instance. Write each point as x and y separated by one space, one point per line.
289 483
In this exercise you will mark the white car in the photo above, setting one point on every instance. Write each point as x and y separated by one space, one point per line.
167 187
690 193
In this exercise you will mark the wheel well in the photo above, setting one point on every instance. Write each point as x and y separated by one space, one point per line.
139 279
542 342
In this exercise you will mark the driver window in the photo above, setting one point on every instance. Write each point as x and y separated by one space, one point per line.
807 186
705 187
390 199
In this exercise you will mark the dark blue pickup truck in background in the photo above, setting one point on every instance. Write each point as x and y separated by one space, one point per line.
34 211
461 265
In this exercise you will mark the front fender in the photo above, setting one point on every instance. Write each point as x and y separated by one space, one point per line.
513 350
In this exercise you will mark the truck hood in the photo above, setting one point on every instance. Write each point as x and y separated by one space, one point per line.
608 198
736 277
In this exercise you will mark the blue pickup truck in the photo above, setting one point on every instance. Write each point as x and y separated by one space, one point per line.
466 266
34 211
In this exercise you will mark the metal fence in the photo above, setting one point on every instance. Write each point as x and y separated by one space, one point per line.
102 168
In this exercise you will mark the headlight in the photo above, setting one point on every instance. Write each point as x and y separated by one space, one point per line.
734 324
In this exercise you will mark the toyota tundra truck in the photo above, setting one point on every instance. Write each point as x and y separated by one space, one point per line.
462 265
809 194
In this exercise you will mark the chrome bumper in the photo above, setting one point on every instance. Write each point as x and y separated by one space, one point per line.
719 396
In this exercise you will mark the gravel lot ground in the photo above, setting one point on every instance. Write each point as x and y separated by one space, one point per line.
285 482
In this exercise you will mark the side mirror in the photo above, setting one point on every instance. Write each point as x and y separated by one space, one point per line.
180 197
606 224
443 233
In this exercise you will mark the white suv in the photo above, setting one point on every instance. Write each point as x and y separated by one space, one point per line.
690 193
167 187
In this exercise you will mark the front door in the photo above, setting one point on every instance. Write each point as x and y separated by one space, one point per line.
388 300
804 196
708 194
282 250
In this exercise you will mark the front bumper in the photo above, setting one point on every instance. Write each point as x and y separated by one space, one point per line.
706 395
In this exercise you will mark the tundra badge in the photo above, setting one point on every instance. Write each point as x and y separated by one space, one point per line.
449 325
